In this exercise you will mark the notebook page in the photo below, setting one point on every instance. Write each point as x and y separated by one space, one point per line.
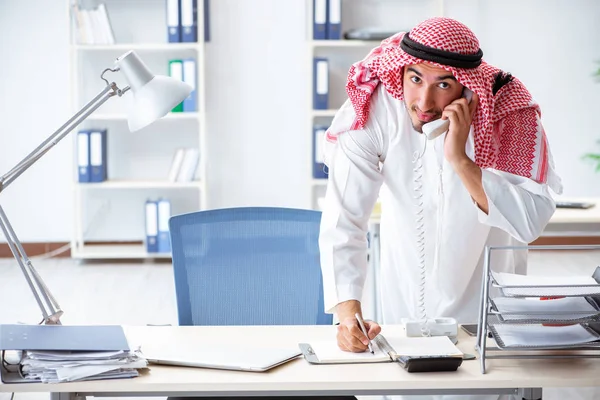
328 351
506 279
540 336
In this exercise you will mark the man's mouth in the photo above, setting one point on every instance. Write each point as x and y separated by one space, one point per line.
426 117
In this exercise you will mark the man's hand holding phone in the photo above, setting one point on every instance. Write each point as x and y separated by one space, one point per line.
460 113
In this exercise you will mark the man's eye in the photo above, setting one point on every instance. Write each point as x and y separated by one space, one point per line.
444 85
415 79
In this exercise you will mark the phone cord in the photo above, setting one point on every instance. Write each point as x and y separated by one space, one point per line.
420 211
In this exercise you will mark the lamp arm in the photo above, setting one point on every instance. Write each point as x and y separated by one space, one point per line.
48 305
109 91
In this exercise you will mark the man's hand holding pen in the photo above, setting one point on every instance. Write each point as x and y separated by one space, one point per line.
350 336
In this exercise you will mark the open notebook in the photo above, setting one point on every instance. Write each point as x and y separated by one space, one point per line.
435 353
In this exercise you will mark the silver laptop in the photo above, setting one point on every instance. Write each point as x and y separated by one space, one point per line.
236 359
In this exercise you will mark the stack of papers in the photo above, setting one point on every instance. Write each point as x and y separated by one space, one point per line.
69 366
539 336
563 309
540 286
63 353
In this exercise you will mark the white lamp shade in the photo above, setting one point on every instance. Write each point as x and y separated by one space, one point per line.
153 96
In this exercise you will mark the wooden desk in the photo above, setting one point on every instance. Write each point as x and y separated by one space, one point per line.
573 226
301 378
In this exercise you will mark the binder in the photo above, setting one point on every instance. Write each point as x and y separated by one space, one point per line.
176 164
151 226
98 159
173 21
189 77
164 213
63 337
321 83
334 20
83 156
320 19
319 167
206 15
189 165
189 21
176 71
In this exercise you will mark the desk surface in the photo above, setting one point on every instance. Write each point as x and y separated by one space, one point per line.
300 376
561 215
578 216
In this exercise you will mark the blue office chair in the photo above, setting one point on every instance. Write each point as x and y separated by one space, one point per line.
248 266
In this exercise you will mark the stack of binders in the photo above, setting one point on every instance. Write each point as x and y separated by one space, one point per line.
185 71
182 21
91 155
158 213
327 19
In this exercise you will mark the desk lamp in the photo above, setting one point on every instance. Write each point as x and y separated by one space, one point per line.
153 97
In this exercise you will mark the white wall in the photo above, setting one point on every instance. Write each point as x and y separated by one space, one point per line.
257 97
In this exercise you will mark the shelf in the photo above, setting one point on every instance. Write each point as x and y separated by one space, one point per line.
117 117
324 113
115 251
116 184
138 46
344 43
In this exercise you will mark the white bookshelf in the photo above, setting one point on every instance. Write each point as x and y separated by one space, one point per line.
397 15
109 217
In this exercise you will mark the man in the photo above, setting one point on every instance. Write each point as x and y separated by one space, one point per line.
485 182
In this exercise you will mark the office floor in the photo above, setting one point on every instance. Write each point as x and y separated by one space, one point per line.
143 292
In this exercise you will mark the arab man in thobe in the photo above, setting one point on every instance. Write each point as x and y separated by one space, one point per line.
486 181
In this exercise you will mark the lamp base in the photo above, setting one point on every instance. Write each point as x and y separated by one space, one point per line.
54 319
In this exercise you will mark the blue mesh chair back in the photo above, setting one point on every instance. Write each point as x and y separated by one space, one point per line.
248 266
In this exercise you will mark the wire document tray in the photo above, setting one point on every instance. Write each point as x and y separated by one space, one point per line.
538 317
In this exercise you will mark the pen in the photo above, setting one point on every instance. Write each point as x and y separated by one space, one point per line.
364 330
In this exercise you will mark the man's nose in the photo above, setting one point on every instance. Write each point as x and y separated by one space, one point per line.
426 101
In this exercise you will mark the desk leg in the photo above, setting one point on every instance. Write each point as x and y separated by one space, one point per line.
530 394
65 396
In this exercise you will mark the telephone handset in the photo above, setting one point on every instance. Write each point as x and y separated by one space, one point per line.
436 128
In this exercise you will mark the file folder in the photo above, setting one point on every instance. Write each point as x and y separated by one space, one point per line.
321 83
320 19
176 71
334 20
189 77
98 158
319 168
63 337
173 21
151 226
83 156
164 213
189 21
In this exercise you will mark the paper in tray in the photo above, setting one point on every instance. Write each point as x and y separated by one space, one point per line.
509 336
515 285
536 311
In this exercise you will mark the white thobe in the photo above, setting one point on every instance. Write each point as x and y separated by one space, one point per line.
456 231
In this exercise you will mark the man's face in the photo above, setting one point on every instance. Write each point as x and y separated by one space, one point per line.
427 91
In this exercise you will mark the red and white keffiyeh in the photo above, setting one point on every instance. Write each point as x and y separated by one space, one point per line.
508 134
